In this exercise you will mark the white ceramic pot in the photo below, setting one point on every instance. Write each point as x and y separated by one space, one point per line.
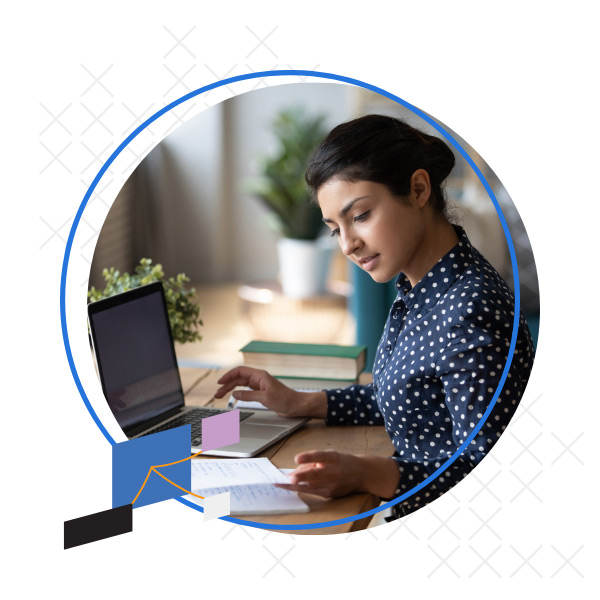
304 266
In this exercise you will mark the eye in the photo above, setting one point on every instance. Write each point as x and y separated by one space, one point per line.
362 216
335 232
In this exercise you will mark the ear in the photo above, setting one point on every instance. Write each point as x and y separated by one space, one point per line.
420 187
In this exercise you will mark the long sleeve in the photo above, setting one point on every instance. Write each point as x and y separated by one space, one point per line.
438 366
355 405
470 368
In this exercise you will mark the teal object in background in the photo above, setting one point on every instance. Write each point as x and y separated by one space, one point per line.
533 321
370 304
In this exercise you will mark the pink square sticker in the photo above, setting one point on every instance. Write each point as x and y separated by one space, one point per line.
221 430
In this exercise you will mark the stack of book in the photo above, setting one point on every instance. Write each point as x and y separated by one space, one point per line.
307 366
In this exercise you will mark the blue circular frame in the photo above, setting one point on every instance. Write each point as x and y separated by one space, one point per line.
334 77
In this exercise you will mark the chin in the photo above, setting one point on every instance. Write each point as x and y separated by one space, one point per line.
381 277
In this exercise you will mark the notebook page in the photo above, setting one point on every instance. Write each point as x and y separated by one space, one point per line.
250 484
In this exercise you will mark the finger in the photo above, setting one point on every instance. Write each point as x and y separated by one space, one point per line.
249 396
238 382
238 372
233 373
225 389
315 456
304 466
242 376
305 489
307 476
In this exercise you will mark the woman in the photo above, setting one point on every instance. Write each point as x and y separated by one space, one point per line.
378 183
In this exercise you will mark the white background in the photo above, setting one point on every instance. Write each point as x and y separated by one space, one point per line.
518 81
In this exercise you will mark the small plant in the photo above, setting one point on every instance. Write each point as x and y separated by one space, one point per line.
184 312
280 185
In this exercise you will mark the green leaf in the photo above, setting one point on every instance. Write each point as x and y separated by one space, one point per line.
182 308
281 186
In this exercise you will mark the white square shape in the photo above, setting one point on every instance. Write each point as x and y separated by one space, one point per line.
217 506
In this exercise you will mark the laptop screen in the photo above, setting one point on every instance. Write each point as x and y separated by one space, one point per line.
135 355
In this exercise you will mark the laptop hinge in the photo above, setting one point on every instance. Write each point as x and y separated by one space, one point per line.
152 422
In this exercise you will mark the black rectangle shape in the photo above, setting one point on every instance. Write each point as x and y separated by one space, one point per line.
98 526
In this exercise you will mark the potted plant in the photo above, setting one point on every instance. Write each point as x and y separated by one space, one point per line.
304 254
184 312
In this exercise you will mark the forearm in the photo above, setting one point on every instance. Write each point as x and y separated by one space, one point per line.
312 404
379 475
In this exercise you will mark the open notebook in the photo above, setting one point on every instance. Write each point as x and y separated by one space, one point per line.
250 484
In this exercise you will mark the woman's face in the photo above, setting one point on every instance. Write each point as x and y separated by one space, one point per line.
382 234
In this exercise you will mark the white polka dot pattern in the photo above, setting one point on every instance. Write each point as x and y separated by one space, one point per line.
437 367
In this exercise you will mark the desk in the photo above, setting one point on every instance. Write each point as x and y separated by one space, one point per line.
200 385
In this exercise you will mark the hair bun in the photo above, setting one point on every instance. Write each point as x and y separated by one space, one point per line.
440 159
384 150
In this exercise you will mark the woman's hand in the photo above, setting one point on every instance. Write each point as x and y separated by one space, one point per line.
332 474
326 473
272 393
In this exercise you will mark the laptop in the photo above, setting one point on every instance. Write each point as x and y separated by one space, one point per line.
137 367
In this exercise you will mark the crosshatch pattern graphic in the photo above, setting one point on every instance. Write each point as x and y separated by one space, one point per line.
462 532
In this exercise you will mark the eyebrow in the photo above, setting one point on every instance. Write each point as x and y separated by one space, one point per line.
346 208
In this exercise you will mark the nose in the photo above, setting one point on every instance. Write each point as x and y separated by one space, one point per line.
349 242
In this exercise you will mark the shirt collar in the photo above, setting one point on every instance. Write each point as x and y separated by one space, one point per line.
440 278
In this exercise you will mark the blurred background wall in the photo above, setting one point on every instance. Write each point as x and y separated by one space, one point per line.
186 205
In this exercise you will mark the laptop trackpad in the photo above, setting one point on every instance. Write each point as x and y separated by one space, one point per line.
261 432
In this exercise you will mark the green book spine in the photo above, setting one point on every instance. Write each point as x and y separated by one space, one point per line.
334 350
328 379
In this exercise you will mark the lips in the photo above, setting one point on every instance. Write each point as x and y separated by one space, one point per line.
369 262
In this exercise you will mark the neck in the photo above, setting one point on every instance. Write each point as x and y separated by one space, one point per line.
438 240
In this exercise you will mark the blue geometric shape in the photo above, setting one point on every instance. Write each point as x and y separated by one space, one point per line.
133 459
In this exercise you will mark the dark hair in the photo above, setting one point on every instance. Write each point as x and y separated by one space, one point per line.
383 150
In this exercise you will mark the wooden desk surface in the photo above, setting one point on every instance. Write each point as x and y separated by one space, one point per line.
200 385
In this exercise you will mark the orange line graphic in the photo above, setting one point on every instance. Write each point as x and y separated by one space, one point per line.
179 461
177 486
143 485
154 467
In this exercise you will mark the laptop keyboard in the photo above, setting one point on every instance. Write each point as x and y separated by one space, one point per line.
194 418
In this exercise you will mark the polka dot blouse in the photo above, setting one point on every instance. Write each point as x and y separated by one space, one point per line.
437 367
